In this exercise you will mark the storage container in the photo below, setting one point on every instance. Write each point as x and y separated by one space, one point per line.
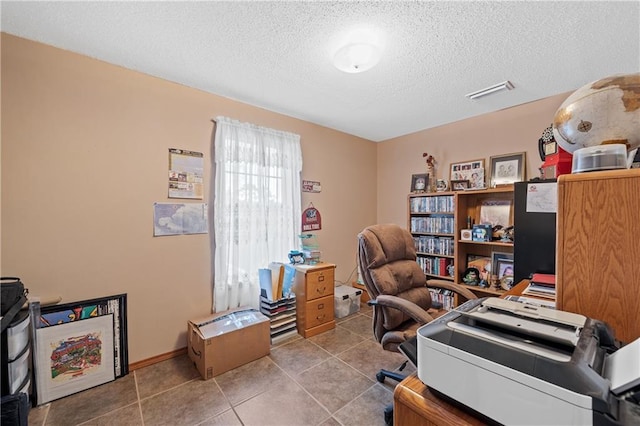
223 341
347 300
18 335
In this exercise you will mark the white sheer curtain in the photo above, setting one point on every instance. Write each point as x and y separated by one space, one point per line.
257 207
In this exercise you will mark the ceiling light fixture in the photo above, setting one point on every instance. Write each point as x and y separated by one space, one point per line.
357 57
491 89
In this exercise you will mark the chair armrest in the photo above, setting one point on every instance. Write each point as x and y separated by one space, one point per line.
414 311
453 287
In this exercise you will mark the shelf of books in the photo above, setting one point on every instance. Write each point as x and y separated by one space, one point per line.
432 225
443 297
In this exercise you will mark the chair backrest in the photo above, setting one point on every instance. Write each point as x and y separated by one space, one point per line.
387 261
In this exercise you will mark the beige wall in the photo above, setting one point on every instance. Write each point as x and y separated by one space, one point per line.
85 156
511 130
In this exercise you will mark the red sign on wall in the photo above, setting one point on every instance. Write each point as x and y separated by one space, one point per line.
311 220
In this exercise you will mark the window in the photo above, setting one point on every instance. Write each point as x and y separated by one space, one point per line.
256 192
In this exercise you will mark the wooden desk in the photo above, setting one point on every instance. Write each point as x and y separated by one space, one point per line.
415 405
517 289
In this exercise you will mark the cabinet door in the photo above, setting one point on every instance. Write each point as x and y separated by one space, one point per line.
598 272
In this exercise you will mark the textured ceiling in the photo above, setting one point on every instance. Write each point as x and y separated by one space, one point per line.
278 55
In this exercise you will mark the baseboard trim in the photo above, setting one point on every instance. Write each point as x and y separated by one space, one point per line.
156 359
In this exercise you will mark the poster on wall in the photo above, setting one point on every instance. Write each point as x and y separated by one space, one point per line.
311 186
311 220
179 219
74 356
186 174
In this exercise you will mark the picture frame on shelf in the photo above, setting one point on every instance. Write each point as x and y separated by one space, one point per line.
508 168
459 185
482 263
496 212
498 258
472 171
505 274
505 268
419 182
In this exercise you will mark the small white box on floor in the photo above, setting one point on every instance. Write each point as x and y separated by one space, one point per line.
347 300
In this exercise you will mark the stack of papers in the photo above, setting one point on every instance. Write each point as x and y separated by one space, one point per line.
542 285
538 290
276 281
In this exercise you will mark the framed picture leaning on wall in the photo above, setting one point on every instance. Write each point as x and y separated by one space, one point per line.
73 356
419 182
473 171
508 168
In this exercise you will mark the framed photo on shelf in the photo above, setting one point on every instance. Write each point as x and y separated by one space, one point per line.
505 274
496 212
419 182
472 171
482 263
507 169
459 185
500 258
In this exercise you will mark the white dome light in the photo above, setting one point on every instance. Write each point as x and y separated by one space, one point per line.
356 57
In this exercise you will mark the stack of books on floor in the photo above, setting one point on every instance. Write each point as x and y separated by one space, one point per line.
277 300
541 291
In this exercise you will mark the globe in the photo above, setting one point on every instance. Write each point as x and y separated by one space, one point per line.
605 111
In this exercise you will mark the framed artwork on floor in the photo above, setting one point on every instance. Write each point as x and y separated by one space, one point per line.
73 356
116 305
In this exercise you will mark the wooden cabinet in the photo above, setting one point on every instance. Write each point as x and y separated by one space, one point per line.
432 225
313 287
598 248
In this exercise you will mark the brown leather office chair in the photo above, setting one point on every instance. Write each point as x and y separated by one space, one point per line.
397 287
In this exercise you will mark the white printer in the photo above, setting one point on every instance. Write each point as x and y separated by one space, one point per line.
519 364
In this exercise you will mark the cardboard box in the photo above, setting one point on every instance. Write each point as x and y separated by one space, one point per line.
346 300
226 340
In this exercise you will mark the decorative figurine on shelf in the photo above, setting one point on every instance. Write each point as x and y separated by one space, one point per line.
494 282
507 235
431 170
451 270
471 276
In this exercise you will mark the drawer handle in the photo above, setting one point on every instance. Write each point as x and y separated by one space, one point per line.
321 278
321 306
321 290
320 317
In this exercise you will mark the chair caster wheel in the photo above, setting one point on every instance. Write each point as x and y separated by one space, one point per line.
388 415
380 377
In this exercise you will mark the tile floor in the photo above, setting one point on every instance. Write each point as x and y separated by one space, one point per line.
327 380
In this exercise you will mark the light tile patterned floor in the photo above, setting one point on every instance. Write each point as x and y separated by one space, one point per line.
326 380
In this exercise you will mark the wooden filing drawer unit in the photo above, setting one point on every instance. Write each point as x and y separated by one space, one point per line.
314 298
